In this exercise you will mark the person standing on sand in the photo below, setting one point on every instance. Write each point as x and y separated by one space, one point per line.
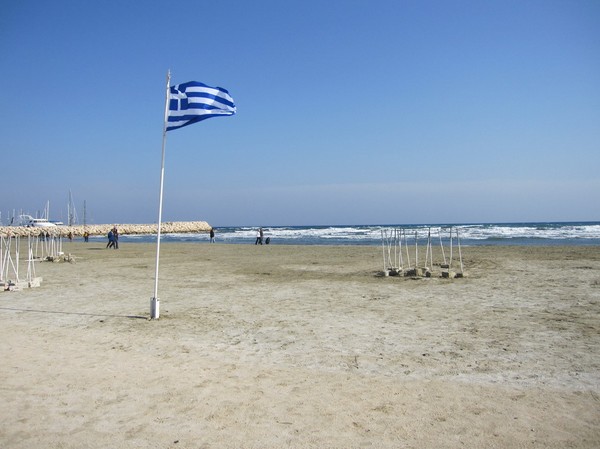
259 237
212 235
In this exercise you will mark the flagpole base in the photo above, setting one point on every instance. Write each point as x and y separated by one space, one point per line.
154 308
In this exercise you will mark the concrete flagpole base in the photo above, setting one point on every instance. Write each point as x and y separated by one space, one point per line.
154 308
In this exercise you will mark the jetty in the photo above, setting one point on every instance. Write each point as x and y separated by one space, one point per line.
172 227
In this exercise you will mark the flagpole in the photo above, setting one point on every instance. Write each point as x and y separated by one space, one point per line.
155 303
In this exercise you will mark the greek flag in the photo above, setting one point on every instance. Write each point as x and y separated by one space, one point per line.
192 102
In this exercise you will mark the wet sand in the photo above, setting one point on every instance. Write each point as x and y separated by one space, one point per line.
302 347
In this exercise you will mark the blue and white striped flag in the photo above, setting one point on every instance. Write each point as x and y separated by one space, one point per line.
192 102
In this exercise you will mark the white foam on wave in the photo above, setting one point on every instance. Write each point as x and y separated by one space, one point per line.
531 231
372 234
466 232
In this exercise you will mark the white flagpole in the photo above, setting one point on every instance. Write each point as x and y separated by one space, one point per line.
155 303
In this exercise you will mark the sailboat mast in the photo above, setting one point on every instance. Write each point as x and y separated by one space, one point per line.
72 215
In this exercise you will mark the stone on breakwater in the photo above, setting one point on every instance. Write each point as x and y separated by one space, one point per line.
179 227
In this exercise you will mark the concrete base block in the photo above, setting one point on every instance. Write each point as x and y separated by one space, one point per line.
414 272
15 286
35 282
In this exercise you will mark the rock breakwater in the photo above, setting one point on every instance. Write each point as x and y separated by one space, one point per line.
172 227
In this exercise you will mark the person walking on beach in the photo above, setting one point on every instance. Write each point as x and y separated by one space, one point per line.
259 237
212 235
111 239
115 237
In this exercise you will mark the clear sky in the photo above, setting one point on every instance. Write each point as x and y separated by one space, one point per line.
348 112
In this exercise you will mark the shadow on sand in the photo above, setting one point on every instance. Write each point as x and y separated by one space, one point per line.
132 317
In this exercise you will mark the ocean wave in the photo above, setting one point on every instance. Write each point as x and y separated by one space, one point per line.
477 233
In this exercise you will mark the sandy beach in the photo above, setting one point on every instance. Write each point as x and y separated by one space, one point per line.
302 347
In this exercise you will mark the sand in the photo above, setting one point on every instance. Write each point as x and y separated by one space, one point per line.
302 347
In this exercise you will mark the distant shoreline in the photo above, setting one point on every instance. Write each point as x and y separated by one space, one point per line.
102 229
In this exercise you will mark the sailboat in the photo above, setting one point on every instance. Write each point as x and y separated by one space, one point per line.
29 221
38 222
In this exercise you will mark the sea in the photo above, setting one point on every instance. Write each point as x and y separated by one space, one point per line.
527 234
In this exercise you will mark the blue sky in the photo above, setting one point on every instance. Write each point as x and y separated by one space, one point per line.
349 112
